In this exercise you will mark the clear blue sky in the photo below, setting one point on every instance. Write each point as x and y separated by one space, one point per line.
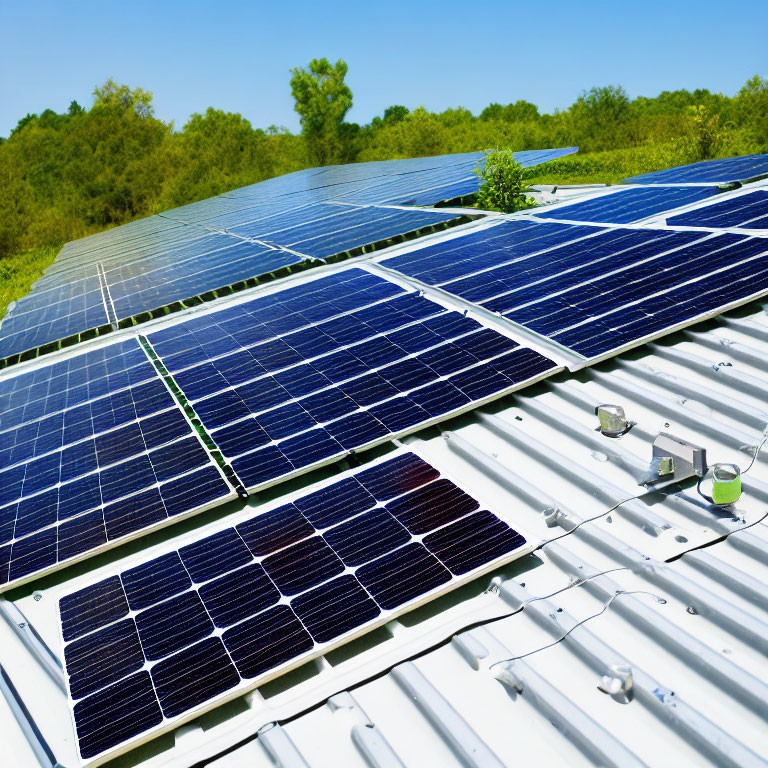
235 55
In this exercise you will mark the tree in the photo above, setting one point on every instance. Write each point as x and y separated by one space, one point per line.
28 119
751 109
600 118
395 114
605 106
322 100
123 98
494 111
515 112
392 115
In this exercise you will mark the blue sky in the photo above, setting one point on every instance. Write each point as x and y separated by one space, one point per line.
235 55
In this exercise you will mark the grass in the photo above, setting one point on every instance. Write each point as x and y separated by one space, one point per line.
609 167
19 271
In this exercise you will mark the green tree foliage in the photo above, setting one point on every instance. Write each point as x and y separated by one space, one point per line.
322 100
602 117
123 98
750 109
216 152
502 185
517 112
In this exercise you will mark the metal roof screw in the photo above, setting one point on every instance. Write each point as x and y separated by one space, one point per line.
551 516
690 609
618 683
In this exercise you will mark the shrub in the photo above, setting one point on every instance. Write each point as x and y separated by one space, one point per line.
502 187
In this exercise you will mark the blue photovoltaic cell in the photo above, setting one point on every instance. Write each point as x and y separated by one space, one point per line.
247 600
747 168
51 389
627 205
92 449
309 373
57 313
748 211
596 294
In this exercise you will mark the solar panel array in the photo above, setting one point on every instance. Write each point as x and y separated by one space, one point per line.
283 223
308 373
93 449
724 171
748 211
590 289
173 636
627 205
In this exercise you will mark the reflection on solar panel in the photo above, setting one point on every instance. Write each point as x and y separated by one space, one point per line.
627 205
139 268
600 293
306 374
163 280
93 449
749 211
324 230
730 169
161 642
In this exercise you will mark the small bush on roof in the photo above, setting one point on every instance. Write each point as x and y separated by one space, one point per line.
501 183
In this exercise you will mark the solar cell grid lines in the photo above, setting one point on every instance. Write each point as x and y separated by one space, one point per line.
593 293
57 313
306 374
93 449
627 205
165 639
747 211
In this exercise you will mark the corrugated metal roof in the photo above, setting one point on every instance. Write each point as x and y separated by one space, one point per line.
662 601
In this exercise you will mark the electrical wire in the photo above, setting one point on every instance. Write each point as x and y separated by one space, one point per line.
578 624
757 450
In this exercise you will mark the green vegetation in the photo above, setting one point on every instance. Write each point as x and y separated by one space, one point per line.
19 271
322 99
63 176
501 183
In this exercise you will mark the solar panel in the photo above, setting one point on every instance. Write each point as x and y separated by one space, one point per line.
161 642
627 205
725 171
306 374
605 291
325 230
150 285
125 274
50 315
93 449
748 211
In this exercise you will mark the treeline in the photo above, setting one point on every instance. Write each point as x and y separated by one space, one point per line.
66 175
